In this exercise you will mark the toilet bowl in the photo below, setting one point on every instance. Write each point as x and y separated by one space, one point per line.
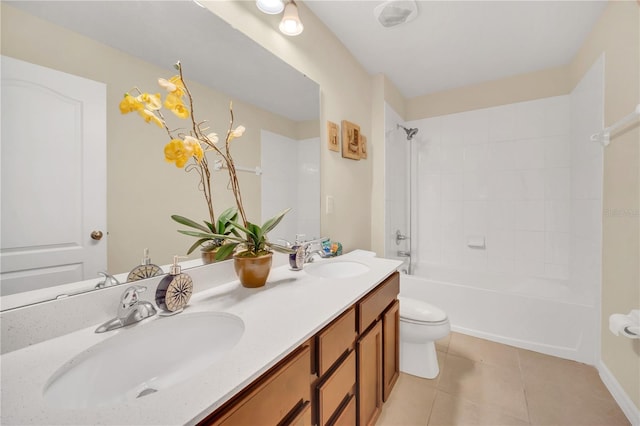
421 324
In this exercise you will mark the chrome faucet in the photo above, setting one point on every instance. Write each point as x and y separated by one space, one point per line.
315 247
130 310
108 281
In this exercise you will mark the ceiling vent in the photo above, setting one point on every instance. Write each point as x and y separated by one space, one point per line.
395 12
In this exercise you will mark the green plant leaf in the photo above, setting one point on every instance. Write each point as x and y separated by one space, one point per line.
256 236
241 228
188 222
225 250
197 244
207 234
281 248
273 222
225 221
230 214
211 227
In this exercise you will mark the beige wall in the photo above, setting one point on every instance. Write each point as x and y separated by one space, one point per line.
522 87
143 191
346 94
617 34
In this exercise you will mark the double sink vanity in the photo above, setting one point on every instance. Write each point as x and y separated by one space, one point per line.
312 347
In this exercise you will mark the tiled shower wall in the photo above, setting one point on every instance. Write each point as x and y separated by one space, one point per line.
501 175
524 178
291 178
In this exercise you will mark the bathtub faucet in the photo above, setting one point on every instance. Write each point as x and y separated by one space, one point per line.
400 237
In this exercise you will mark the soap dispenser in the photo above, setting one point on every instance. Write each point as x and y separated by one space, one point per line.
296 259
146 269
174 291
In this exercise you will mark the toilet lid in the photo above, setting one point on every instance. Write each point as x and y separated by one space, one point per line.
417 310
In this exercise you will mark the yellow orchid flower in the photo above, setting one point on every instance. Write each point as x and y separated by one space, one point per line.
176 152
236 133
167 85
193 145
174 85
152 102
130 104
149 116
213 138
174 104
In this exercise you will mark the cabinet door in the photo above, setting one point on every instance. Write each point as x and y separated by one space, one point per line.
370 375
391 342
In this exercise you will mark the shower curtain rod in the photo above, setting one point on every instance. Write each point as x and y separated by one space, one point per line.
218 165
603 136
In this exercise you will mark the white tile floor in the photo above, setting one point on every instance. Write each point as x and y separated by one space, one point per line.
487 383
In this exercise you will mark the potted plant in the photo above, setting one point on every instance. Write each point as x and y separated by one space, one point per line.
210 245
253 261
255 251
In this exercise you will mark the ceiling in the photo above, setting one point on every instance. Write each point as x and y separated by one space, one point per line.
458 43
450 44
212 52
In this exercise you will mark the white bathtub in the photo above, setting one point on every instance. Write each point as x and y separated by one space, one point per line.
543 315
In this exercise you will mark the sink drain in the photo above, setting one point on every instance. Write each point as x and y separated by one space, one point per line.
146 392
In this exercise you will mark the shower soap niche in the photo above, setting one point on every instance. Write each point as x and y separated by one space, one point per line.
476 242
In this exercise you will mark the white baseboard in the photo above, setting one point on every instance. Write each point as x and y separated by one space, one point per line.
626 404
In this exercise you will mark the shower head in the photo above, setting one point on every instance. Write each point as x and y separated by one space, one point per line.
410 132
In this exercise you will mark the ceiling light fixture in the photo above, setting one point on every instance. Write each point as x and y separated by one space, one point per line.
395 12
291 24
271 7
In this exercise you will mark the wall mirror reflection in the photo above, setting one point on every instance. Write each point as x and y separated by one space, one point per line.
113 47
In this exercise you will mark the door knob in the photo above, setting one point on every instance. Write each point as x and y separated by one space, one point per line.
96 235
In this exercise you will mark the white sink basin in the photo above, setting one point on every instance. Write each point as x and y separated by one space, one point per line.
143 359
336 270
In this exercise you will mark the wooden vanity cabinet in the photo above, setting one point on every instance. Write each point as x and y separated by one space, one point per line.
340 377
377 348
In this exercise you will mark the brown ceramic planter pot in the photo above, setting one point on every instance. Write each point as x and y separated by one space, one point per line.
210 256
253 271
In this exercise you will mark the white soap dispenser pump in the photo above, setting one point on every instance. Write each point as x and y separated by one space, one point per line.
146 269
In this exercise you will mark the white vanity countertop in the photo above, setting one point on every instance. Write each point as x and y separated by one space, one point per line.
278 318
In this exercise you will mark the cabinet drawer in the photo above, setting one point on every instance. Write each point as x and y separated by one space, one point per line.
333 390
274 398
372 305
335 340
348 415
303 417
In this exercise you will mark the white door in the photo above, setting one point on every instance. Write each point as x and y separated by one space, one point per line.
53 177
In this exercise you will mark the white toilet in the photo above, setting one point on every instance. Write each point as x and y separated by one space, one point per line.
421 324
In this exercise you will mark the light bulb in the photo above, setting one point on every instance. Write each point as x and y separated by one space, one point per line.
290 23
271 7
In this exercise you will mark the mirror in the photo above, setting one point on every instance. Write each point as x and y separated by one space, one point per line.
131 43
